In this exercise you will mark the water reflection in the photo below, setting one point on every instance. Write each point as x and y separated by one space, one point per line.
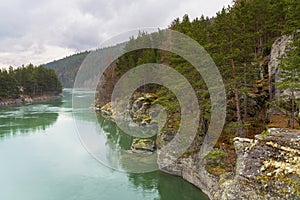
171 187
114 134
110 143
147 181
168 187
28 119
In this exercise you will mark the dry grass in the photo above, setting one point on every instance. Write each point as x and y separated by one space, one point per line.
281 121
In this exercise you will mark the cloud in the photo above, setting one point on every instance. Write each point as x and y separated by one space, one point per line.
40 31
34 53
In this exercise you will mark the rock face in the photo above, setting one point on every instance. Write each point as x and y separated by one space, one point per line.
107 109
142 146
194 173
266 168
139 108
279 50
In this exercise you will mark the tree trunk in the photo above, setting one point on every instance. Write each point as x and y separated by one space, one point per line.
237 102
245 95
293 110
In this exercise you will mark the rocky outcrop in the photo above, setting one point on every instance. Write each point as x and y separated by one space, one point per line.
193 172
267 167
142 146
106 110
279 50
139 108
139 113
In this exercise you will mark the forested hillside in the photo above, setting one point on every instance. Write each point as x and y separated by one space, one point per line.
30 80
239 40
67 68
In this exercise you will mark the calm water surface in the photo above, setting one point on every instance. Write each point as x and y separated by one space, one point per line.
42 158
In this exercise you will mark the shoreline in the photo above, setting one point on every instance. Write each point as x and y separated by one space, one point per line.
28 99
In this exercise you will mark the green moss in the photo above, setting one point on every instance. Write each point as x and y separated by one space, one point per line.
215 158
264 134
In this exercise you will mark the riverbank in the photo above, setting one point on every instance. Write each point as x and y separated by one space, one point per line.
41 158
25 99
266 167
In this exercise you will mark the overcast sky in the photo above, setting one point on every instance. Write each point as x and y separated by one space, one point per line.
39 31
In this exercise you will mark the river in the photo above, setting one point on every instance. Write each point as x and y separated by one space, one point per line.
42 158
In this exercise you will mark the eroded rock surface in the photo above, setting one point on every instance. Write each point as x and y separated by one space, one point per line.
142 146
279 50
266 168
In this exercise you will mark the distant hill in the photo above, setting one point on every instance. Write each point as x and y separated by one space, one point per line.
66 68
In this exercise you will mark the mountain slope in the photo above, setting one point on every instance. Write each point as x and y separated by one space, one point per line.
66 68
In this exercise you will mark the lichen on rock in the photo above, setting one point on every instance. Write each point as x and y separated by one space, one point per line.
142 146
266 168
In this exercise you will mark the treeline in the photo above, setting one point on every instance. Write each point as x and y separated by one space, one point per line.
238 39
30 80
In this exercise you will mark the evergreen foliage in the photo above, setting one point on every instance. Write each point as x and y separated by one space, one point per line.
29 80
238 39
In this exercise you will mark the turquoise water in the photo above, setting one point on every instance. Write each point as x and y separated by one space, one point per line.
42 158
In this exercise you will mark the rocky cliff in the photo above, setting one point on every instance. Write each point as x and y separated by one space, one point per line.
279 50
267 167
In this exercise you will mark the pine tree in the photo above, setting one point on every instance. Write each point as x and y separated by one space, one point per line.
29 80
292 12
